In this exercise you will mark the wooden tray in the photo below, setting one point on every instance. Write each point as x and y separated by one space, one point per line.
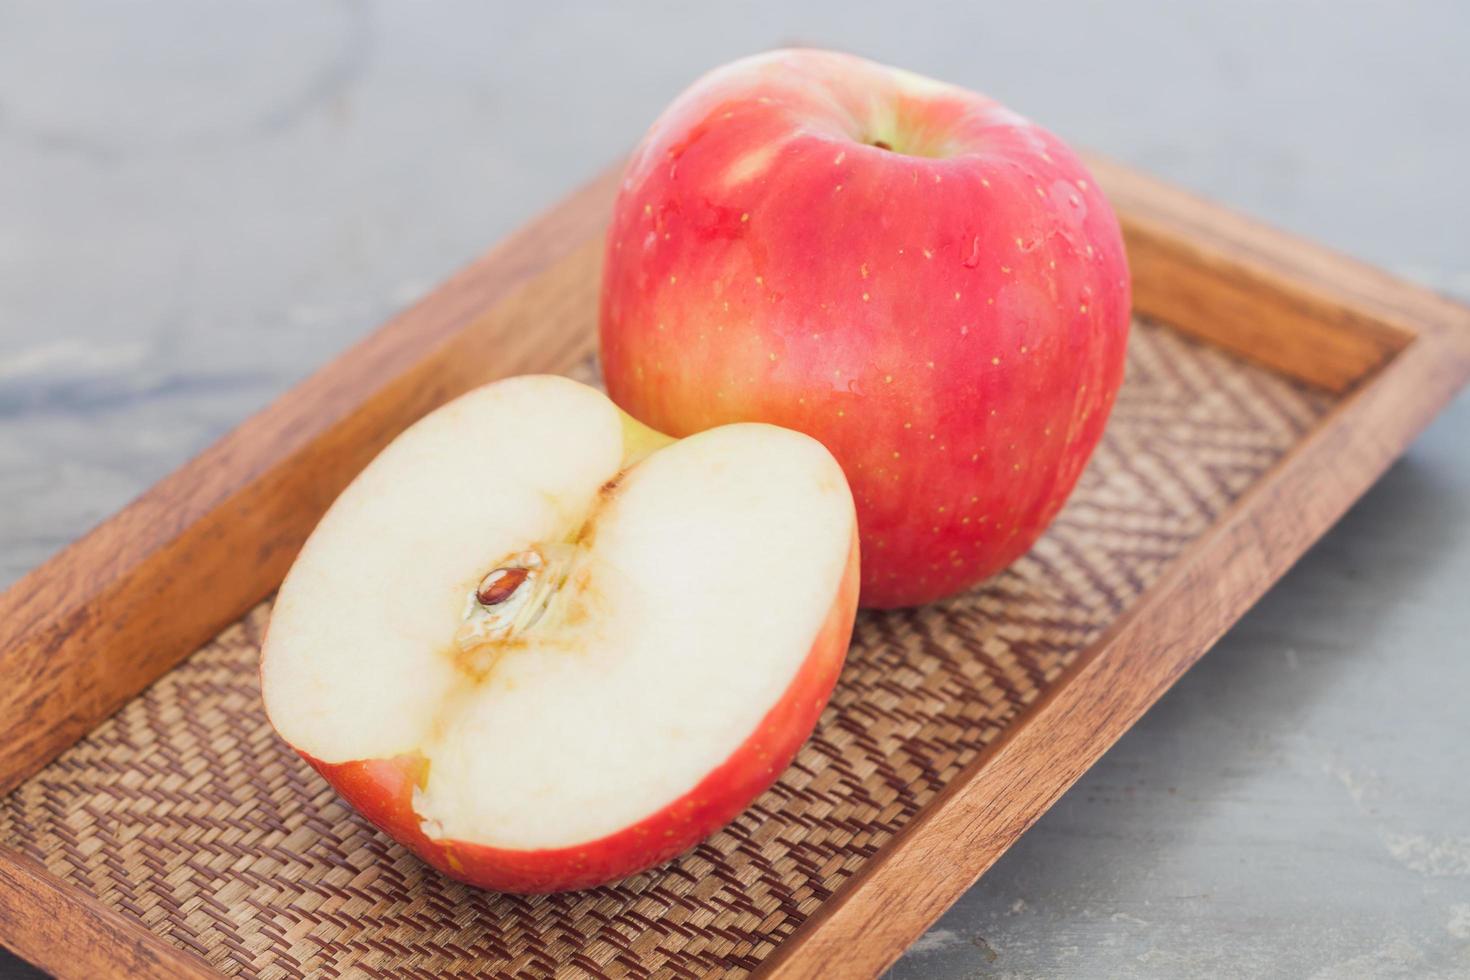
168 832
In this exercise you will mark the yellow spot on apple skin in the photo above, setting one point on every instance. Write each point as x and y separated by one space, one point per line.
1020 243
1089 251
888 379
1040 192
840 157
1016 467
1023 348
928 254
745 216
1005 268
929 364
662 327
995 360
837 188
908 425
1082 185
937 178
773 357
864 270
964 520
865 297
956 296
1051 263
760 280
984 182
673 279
1082 308
895 454
973 458
840 413
990 301
727 307
648 209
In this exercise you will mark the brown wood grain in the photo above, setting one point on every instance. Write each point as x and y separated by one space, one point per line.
1247 288
104 618
70 934
94 625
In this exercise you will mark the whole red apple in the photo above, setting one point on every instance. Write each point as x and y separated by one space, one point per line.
544 646
928 283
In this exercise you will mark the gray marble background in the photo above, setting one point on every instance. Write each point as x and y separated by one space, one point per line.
199 204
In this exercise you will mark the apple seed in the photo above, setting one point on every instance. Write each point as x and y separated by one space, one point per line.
500 585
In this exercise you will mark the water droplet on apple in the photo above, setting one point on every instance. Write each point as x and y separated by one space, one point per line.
973 259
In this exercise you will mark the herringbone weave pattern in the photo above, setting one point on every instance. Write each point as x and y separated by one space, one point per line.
186 811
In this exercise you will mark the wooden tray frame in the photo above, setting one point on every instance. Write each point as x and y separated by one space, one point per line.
92 627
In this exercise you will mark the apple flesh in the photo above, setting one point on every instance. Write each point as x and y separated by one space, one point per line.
545 647
923 280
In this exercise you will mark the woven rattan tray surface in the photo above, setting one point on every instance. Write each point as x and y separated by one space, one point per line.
186 811
151 824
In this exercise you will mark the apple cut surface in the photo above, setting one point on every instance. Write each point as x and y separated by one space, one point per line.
531 624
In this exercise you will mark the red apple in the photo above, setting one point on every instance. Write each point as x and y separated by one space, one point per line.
545 647
925 281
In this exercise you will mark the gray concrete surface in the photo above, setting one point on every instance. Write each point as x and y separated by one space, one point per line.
201 203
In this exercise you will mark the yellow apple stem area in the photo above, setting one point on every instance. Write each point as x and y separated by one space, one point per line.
886 129
571 618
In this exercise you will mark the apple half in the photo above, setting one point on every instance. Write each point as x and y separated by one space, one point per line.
544 646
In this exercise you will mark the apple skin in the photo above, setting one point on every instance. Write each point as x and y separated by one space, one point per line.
382 789
952 327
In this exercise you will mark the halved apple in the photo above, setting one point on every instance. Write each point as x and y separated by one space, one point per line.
545 647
